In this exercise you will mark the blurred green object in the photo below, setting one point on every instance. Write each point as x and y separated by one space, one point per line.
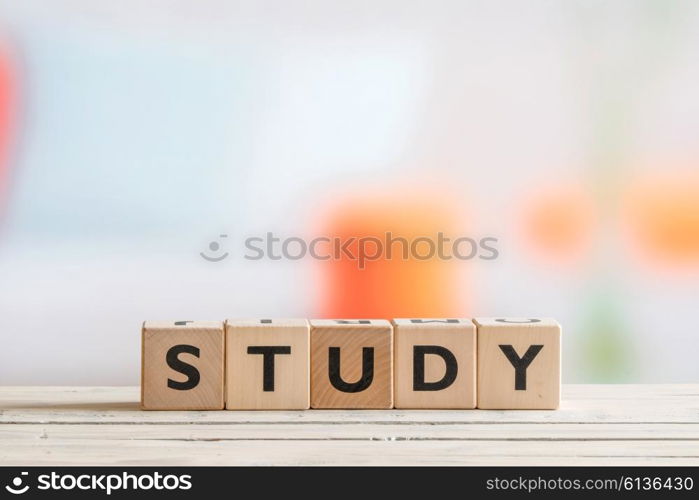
607 352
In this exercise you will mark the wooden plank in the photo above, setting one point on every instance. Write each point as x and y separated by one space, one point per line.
333 432
580 404
107 452
596 425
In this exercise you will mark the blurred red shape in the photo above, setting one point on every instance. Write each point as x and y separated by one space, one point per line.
8 99
391 287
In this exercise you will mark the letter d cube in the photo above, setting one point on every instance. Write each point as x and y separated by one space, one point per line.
435 363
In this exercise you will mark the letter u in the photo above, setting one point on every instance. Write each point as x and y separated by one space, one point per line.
367 370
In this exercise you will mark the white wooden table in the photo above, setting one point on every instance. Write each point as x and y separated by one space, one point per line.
597 425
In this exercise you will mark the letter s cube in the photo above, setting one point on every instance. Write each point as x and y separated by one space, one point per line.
182 365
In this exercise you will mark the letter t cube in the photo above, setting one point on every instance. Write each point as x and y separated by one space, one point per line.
267 364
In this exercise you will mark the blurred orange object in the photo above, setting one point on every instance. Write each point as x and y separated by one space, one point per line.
391 287
662 211
558 222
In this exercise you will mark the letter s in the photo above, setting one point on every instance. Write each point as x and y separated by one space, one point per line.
44 483
180 366
494 251
260 252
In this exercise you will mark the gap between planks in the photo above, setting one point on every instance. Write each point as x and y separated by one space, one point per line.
340 423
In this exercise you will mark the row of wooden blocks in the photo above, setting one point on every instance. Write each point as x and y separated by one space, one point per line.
288 364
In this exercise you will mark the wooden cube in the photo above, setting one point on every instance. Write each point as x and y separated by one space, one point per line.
182 365
351 363
519 363
267 364
435 363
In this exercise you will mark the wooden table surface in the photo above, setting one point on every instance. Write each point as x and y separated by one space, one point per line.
596 425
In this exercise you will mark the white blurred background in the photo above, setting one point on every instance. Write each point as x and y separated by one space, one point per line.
132 134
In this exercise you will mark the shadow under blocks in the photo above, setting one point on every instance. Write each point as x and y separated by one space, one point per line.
297 364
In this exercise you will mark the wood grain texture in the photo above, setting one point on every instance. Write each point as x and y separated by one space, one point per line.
497 385
245 372
160 336
458 336
351 339
595 425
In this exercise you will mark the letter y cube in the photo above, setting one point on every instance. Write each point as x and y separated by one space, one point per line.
519 363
